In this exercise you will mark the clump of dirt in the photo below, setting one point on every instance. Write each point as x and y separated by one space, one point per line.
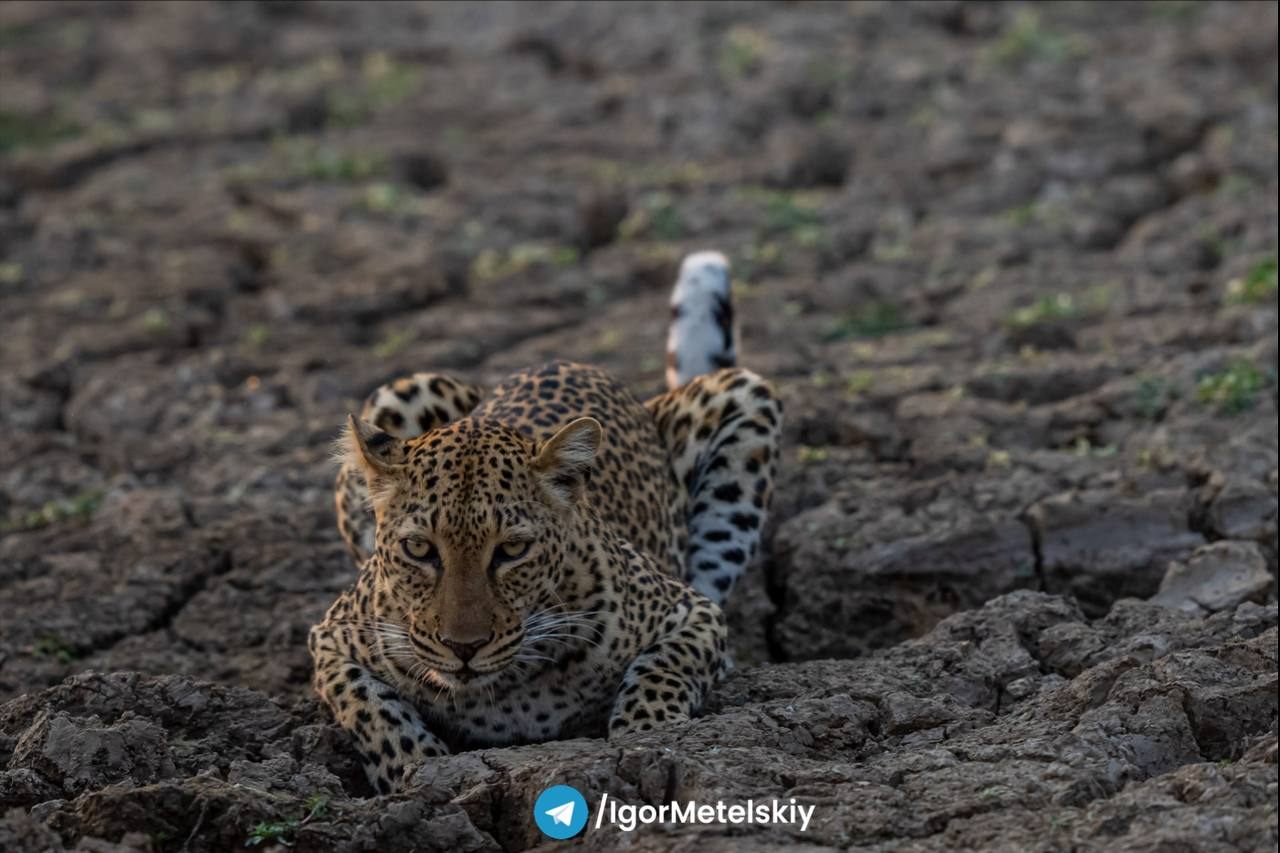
1021 720
1013 269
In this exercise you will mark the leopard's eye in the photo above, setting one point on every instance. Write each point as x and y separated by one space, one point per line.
512 550
419 549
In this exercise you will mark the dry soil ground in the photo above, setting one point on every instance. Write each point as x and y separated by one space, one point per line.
1013 269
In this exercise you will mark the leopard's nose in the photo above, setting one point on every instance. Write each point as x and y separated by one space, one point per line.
464 651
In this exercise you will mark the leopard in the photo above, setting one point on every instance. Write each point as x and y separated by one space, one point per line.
547 558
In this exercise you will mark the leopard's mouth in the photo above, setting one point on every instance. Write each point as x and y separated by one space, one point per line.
465 674
453 674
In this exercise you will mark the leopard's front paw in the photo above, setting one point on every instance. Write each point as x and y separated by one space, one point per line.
411 770
397 756
389 734
640 708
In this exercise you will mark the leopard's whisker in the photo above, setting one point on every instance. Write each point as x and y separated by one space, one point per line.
537 638
534 627
371 623
523 657
574 629
554 613
561 620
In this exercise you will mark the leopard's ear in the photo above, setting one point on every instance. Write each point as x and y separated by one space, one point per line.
564 460
377 455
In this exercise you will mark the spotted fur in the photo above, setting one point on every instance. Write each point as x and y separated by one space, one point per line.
407 407
542 562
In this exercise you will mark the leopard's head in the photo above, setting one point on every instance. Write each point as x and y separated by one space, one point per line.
472 532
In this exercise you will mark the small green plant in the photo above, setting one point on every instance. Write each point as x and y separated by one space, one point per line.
1084 447
1156 457
384 197
11 273
787 212
809 455
495 264
384 83
666 223
326 164
1155 395
1255 287
1046 309
1098 299
50 646
82 505
389 83
23 33
257 335
1022 215
396 340
278 832
758 260
1235 186
655 216
606 344
1234 389
743 53
794 216
1027 39
858 382
1045 213
272 831
316 805
33 131
154 320
867 321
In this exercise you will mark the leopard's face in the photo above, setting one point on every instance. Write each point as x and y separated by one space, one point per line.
471 543
468 573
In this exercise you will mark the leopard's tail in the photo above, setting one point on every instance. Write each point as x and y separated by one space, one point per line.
702 335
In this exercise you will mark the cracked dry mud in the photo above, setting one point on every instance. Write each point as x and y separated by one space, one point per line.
1012 269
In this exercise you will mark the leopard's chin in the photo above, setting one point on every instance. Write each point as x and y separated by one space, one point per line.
466 678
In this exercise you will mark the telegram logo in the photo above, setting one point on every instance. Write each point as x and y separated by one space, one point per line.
560 812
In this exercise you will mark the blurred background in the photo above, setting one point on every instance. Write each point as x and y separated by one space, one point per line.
1012 266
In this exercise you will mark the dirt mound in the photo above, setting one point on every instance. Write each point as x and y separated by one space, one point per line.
1012 268
1021 721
